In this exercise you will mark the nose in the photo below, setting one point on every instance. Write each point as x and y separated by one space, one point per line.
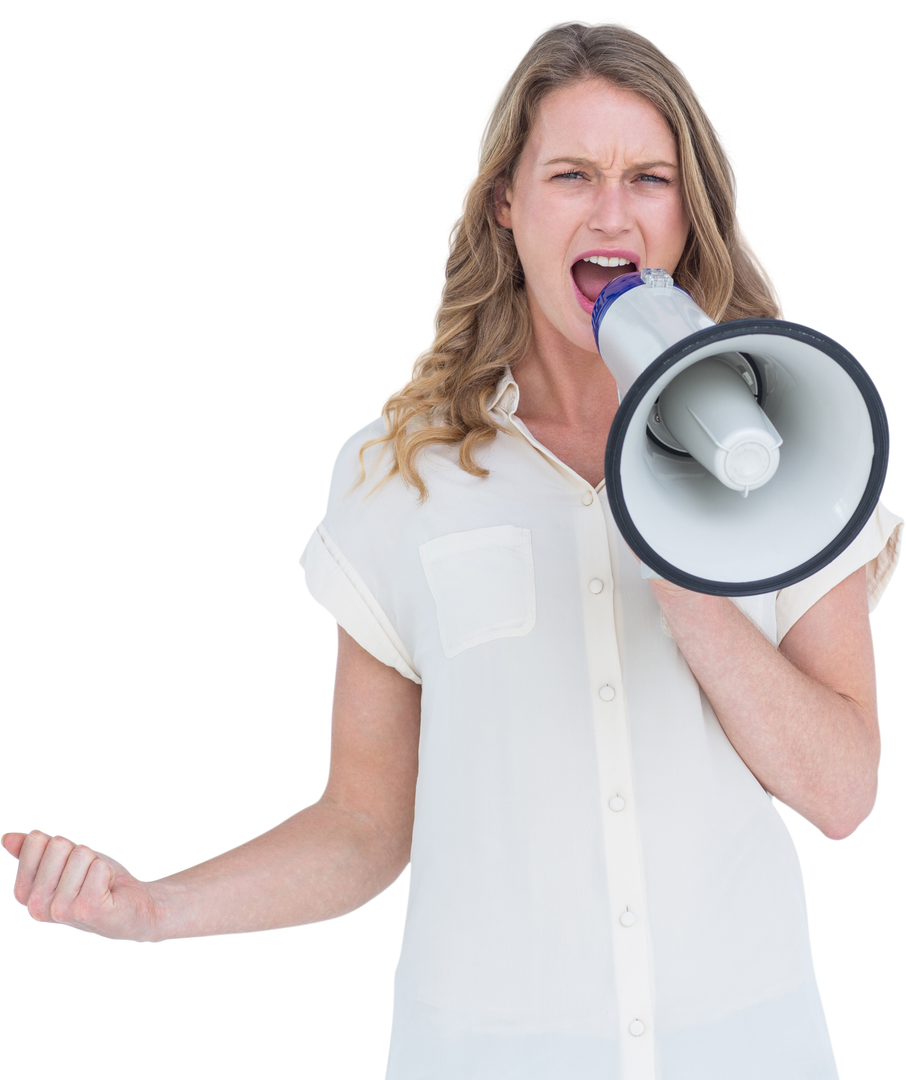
610 213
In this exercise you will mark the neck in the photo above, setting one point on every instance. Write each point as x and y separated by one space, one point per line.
566 389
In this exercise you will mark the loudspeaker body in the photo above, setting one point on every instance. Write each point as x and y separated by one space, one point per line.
684 523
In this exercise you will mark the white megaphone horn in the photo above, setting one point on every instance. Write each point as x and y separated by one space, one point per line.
745 455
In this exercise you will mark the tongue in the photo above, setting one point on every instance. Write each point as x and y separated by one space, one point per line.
592 278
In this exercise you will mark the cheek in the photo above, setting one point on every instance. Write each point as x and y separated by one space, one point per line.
683 227
675 230
531 244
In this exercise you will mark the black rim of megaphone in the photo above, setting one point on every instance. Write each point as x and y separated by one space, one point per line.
674 355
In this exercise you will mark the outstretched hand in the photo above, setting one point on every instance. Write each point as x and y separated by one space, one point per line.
59 881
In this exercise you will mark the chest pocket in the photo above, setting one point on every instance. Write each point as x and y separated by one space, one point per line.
483 583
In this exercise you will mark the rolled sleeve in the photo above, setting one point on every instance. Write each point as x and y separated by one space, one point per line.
335 584
877 548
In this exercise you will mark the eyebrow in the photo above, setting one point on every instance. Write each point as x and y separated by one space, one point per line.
588 161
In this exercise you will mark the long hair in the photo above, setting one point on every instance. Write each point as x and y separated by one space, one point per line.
483 323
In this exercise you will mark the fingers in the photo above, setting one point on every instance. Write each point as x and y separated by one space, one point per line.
30 855
95 890
52 872
72 883
41 863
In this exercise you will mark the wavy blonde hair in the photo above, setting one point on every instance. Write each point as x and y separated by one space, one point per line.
483 323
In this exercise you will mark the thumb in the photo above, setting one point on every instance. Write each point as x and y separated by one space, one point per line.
13 842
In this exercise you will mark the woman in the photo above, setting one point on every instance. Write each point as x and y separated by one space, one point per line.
600 883
596 174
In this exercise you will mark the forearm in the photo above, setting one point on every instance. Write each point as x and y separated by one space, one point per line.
814 748
320 863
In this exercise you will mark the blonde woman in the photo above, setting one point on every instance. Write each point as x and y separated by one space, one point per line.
579 763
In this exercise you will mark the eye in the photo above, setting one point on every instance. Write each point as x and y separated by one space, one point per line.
573 174
645 176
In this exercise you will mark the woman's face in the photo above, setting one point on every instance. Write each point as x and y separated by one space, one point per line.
599 177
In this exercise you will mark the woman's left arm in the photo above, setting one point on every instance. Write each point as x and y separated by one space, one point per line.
803 716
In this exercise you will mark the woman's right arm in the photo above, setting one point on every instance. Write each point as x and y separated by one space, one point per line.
324 861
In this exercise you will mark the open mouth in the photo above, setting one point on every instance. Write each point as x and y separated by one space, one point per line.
593 272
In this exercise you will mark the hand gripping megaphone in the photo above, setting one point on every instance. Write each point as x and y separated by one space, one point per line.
745 455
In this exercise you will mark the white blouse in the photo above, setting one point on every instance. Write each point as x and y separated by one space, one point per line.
600 888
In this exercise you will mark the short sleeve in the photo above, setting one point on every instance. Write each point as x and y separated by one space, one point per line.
335 584
351 545
877 548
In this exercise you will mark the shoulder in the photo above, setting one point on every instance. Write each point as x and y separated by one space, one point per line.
377 429
351 459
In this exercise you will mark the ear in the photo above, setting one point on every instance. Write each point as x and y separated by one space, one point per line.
502 204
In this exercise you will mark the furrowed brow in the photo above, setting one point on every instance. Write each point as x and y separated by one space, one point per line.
588 163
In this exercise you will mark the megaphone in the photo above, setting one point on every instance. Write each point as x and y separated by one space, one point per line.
744 456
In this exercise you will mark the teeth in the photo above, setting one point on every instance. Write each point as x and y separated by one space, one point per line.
604 260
